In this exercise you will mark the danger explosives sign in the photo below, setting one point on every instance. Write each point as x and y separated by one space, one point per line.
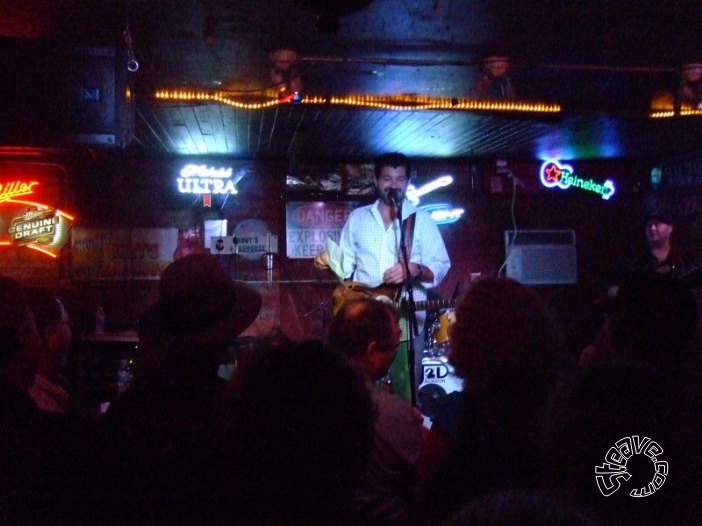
308 224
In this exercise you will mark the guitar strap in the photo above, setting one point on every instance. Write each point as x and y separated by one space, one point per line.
408 225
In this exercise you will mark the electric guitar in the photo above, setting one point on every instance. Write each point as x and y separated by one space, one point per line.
389 294
688 273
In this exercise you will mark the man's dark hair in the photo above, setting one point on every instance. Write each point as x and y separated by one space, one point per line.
358 323
392 159
46 308
503 328
298 431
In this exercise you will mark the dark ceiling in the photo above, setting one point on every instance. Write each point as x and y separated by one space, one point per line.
604 64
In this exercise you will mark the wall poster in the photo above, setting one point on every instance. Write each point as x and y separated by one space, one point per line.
136 253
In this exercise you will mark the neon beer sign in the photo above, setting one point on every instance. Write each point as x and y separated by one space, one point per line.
33 225
203 179
413 193
443 213
16 189
563 176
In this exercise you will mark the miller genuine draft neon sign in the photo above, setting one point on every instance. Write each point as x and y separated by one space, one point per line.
16 189
563 176
32 225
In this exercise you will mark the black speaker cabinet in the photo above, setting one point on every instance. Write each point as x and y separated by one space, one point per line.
62 95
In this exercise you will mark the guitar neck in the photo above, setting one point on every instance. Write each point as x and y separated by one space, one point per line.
387 293
432 305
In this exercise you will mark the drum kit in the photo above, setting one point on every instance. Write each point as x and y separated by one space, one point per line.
438 379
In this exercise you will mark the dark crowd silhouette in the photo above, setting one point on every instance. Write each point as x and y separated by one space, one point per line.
304 432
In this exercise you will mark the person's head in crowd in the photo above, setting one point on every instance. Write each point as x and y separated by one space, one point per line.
20 344
655 321
367 332
518 508
298 433
503 329
54 326
658 228
198 313
607 402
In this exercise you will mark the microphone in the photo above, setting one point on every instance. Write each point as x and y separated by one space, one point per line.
394 198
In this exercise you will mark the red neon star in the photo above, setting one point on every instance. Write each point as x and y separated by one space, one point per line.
553 173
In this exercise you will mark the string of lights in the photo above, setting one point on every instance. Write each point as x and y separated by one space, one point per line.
664 114
404 103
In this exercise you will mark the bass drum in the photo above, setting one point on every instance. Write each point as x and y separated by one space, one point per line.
445 321
438 381
437 341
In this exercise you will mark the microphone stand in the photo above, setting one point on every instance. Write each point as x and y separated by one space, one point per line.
410 305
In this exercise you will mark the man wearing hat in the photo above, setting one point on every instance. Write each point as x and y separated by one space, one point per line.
153 457
199 312
657 254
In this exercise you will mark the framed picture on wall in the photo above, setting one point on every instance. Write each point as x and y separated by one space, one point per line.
342 178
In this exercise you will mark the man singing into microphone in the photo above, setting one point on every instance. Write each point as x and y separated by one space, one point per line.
370 241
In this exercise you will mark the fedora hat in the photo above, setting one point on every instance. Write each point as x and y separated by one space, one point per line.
199 305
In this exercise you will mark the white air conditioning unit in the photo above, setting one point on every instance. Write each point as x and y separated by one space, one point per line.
541 257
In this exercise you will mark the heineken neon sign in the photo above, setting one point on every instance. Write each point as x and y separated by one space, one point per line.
563 176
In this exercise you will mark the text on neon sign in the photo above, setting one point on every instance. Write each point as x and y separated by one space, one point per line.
33 229
443 214
202 179
16 189
561 175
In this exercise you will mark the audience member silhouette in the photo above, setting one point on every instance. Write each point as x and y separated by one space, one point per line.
519 508
51 389
507 346
654 322
153 443
296 437
367 332
36 446
642 381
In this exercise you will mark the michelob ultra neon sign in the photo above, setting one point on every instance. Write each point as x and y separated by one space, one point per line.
33 225
203 179
563 176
